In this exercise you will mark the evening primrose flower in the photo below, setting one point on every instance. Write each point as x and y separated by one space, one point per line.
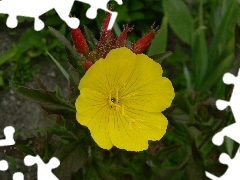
121 100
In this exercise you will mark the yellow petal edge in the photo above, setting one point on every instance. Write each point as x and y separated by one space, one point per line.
121 100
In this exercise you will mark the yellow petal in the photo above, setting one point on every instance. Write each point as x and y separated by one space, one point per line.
121 100
123 135
146 89
111 72
93 111
150 125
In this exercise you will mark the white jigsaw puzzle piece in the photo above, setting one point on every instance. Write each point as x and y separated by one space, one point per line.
44 170
18 176
95 5
36 8
9 140
232 172
231 131
3 165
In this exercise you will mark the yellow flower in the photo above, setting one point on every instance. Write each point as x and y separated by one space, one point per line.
121 99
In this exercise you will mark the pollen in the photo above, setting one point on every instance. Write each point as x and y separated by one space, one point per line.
113 101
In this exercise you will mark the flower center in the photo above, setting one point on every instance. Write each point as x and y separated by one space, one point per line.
114 102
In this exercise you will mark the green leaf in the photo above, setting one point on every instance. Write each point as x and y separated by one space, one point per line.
119 171
226 22
229 146
103 170
12 163
159 43
92 41
187 77
64 72
92 174
72 157
38 84
182 102
160 56
116 29
48 100
195 166
180 19
165 151
26 149
73 57
199 51
217 72
8 54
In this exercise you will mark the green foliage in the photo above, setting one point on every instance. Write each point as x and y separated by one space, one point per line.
159 43
180 19
203 37
17 63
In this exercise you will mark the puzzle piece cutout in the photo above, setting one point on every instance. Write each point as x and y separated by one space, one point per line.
231 131
95 5
18 176
36 8
3 165
44 170
9 140
232 172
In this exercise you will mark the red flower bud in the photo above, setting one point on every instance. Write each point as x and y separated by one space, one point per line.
79 41
122 38
87 64
139 46
93 56
105 35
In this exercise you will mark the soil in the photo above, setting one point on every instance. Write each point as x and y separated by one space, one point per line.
26 117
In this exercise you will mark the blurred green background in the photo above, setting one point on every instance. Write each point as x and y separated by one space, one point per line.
203 36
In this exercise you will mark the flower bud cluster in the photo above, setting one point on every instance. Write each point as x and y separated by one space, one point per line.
108 41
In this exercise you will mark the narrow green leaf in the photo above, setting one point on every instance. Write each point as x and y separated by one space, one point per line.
228 20
160 56
72 157
8 54
217 73
199 51
47 100
90 38
188 78
116 29
159 42
179 18
73 57
12 163
229 146
64 72
26 149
